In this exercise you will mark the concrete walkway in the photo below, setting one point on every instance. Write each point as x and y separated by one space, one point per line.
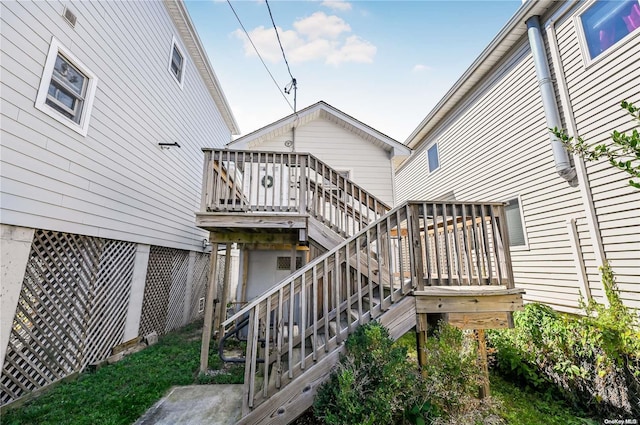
196 405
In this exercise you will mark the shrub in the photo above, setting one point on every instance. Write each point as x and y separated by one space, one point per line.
372 384
375 383
594 359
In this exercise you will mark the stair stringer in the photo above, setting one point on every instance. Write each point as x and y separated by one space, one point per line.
294 399
322 234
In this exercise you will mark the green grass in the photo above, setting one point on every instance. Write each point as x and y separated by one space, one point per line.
518 406
122 392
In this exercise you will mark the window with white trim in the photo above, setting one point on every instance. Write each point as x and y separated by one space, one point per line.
433 159
66 89
515 223
176 62
605 23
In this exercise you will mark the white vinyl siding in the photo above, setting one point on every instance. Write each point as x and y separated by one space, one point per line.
506 150
595 94
370 165
116 182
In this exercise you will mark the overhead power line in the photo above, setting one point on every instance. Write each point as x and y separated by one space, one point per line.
278 37
294 83
259 56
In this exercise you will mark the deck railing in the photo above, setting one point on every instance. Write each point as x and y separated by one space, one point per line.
304 317
286 183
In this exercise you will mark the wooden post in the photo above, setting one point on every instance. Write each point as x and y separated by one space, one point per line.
245 273
484 390
207 329
421 339
222 309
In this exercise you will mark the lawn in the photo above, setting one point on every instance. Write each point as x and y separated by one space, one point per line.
122 392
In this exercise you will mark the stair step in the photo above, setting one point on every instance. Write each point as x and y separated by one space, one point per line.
285 333
284 369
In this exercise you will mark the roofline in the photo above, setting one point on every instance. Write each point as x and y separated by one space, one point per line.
180 16
394 144
505 40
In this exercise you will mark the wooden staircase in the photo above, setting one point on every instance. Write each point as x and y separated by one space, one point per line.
375 258
296 330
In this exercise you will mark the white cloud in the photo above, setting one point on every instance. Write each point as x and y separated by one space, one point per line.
355 49
316 38
421 68
340 5
319 25
267 43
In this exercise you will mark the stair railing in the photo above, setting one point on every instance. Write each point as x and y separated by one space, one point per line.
237 181
307 315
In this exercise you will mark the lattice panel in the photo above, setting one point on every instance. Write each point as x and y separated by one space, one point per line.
199 284
175 308
49 328
156 290
110 300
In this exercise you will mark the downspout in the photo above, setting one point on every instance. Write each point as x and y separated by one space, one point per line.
549 104
585 189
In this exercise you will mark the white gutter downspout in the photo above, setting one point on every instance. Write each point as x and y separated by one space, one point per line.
585 190
549 104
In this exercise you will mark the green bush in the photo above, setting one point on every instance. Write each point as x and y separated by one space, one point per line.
375 382
372 384
594 360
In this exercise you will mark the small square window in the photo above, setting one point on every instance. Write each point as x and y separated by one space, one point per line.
515 226
605 23
432 158
66 89
176 62
284 263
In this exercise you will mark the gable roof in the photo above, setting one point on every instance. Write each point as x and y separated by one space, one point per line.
325 111
182 21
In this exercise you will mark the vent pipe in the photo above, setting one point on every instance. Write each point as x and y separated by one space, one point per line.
549 103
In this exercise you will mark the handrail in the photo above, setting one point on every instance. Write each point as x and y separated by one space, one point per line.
248 181
417 244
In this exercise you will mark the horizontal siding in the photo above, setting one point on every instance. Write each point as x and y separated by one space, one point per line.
342 150
496 148
115 182
595 93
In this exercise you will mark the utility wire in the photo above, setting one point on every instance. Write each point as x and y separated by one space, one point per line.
294 83
259 56
279 42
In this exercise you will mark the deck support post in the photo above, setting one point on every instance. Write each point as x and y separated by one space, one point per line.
207 329
222 308
484 390
421 339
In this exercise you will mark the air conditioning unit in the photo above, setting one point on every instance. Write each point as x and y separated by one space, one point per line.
268 185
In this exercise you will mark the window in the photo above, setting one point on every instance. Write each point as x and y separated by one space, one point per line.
284 263
432 158
605 23
66 89
515 222
176 63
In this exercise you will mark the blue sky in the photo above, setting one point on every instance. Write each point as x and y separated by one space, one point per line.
386 63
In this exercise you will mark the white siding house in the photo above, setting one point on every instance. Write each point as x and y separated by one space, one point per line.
493 144
97 215
339 140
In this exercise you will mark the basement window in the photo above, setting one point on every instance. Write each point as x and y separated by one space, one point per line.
67 88
605 23
176 63
284 263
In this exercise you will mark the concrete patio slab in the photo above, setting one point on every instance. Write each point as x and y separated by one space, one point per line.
196 405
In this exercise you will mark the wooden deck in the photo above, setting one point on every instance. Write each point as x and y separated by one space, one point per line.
399 265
